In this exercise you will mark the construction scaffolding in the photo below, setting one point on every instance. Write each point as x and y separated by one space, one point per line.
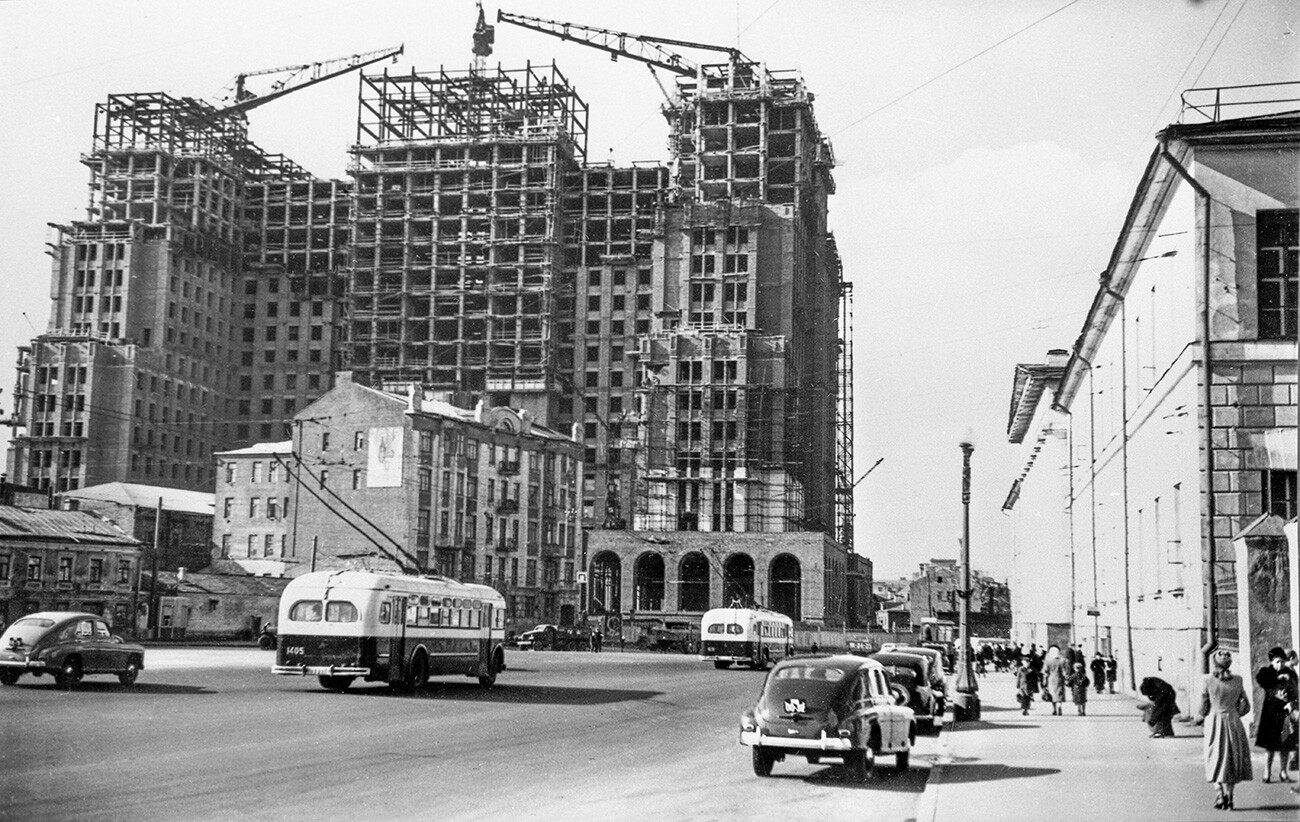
455 229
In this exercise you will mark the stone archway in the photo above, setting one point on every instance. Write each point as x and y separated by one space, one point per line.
606 584
693 587
648 582
785 586
738 580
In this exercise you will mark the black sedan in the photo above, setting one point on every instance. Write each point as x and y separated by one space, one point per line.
67 645
909 675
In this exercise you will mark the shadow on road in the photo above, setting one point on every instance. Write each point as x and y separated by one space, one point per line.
110 687
981 725
990 772
883 778
515 694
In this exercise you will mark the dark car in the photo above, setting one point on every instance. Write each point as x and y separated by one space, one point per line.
67 645
938 679
837 707
910 678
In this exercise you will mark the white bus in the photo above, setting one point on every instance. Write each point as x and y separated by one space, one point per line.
755 636
400 630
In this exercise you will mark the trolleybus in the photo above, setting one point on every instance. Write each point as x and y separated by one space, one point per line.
755 636
342 625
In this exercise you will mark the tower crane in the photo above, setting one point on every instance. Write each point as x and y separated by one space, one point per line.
301 76
643 47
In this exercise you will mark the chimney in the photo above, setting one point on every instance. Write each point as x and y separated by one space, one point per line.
1058 357
180 574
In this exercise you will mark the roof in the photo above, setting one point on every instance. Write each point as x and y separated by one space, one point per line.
1031 380
66 526
285 447
146 496
224 584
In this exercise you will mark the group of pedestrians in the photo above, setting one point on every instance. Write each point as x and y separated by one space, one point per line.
1054 671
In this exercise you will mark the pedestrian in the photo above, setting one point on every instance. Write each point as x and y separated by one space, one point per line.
1026 685
1098 668
1279 685
1079 682
1227 747
1112 671
1055 670
1160 707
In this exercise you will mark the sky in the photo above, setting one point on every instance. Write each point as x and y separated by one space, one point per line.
986 151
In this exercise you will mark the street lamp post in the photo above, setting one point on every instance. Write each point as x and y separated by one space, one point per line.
966 701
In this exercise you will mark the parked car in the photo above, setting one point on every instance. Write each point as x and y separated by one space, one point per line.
555 638
938 678
69 646
910 679
837 707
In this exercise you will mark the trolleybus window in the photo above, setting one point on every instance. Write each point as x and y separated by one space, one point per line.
306 610
340 611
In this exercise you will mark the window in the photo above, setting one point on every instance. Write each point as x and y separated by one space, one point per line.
257 472
340 611
4 567
306 610
356 478
1277 251
96 569
124 571
226 505
1279 488
230 473
65 569
33 567
252 545
325 441
358 440
268 545
254 507
272 508
225 546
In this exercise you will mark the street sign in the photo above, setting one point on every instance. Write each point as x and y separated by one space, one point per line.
1093 612
582 577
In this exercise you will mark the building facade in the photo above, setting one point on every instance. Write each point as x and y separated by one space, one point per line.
254 503
417 484
934 597
1178 402
183 536
66 561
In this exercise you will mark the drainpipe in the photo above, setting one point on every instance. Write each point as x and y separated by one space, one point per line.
1123 451
1212 554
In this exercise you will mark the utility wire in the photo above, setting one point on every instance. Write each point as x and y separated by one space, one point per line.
948 71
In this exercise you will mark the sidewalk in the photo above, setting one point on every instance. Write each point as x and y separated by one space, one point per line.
1102 766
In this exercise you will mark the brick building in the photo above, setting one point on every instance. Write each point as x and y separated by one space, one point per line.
254 500
416 483
935 594
185 535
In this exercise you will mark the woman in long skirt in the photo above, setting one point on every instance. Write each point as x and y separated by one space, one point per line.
1279 685
1227 746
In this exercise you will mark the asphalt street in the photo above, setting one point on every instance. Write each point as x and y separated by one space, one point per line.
211 734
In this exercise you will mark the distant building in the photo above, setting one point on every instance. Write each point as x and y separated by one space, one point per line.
935 595
414 483
65 561
215 606
254 498
185 536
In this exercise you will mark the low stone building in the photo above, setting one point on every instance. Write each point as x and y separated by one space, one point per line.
642 579
65 561
215 606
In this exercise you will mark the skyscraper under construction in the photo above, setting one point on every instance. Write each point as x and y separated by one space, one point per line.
687 316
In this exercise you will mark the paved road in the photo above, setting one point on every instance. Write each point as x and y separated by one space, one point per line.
210 734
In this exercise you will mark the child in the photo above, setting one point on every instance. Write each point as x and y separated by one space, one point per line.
1026 684
1078 683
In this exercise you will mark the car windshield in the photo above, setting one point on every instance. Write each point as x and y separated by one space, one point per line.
25 631
815 685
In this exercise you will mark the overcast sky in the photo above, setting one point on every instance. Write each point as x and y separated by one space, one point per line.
987 153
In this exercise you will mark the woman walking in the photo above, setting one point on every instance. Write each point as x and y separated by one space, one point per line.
1279 685
1026 685
1054 674
1227 748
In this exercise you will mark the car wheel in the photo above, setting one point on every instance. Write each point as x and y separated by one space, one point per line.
903 759
266 642
860 763
129 675
721 663
8 676
899 693
335 683
69 674
762 761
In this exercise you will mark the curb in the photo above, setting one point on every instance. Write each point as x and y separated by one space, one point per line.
927 808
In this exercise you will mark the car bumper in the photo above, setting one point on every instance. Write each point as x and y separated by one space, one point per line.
830 744
23 664
319 670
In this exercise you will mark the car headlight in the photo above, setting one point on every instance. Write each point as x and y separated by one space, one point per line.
748 722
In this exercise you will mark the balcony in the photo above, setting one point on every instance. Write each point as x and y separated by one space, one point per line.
507 468
507 545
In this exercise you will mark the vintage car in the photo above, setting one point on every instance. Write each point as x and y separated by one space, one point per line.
555 638
837 707
938 678
68 645
910 679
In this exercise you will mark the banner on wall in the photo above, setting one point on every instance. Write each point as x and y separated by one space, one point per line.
384 466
